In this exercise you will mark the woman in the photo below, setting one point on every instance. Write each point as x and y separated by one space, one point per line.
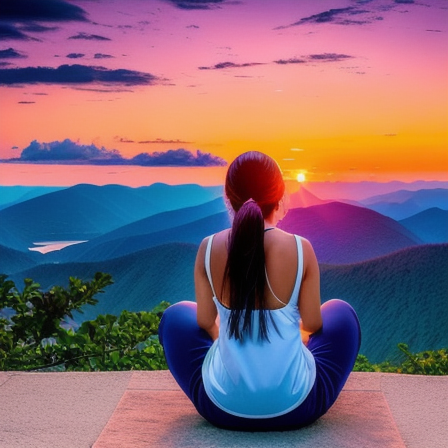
257 351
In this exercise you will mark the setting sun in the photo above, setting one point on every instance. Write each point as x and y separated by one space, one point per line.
300 177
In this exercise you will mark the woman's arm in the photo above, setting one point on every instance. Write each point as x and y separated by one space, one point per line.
207 312
309 298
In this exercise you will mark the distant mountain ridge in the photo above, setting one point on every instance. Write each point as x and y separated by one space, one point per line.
343 233
303 198
430 225
192 233
86 211
136 235
357 191
10 195
403 204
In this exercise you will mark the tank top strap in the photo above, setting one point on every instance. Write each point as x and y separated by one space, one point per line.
295 293
208 252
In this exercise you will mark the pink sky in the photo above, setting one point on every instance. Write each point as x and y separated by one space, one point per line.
333 89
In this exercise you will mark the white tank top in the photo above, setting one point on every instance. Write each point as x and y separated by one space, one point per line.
258 378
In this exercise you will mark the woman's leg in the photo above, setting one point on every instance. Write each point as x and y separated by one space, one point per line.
335 348
185 345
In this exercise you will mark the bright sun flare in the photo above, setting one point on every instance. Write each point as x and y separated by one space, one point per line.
300 177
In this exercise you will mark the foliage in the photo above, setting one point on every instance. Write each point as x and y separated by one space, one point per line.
33 337
429 362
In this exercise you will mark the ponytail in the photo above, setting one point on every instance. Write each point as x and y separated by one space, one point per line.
245 271
258 176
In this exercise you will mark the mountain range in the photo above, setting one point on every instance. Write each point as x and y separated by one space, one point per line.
84 211
400 297
404 203
147 239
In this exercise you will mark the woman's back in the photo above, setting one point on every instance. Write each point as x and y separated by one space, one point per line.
257 377
281 264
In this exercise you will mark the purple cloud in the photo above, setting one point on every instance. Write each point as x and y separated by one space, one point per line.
224 65
86 36
68 151
102 56
74 74
10 53
178 157
195 4
41 10
75 55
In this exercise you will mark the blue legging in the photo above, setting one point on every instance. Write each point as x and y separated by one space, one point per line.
334 348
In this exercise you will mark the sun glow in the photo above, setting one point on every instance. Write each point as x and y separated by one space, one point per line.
301 177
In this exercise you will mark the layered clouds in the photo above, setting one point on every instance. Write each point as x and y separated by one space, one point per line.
67 151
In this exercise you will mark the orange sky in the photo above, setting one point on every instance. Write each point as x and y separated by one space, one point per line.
356 97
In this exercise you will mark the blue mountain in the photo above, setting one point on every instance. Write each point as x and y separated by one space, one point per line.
430 225
193 232
403 204
144 233
12 260
15 194
84 211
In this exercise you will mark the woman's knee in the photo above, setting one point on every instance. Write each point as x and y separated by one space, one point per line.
174 316
341 311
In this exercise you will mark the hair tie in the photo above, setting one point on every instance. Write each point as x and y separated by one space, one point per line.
249 201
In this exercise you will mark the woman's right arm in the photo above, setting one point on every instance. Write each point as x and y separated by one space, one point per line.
206 311
309 297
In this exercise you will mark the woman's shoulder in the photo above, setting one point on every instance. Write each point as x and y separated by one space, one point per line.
219 239
280 243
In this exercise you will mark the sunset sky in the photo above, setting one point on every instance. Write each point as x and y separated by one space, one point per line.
338 90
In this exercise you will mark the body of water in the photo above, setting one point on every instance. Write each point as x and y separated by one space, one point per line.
50 246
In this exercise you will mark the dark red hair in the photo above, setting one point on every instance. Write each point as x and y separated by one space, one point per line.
254 186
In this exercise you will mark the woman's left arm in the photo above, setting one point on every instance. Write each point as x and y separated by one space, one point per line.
207 313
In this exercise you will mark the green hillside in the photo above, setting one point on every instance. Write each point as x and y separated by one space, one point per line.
141 280
401 297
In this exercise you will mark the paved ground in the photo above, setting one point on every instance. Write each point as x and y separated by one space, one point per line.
147 409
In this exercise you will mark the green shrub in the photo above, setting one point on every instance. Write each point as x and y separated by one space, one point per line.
429 362
33 338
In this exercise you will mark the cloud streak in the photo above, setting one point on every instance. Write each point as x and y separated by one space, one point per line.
75 74
226 65
350 15
71 152
162 141
85 36
42 10
75 55
10 53
11 32
196 4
